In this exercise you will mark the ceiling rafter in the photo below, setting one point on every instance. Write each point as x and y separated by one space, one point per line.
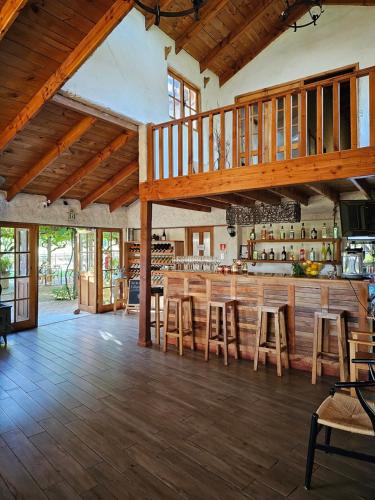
62 144
274 33
262 196
183 204
150 18
88 167
233 199
124 199
209 203
121 176
8 14
235 35
75 59
208 12
292 194
364 187
325 190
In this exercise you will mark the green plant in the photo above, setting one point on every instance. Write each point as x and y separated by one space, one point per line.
5 264
298 269
63 293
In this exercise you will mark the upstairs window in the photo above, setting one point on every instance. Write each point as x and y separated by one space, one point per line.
183 97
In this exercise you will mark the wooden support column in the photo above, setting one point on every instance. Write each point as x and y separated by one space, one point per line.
144 338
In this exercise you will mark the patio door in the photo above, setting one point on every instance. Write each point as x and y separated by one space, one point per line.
87 276
18 273
109 263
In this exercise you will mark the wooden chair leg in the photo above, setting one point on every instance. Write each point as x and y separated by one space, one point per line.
353 368
225 334
263 334
323 343
284 339
217 330
315 350
345 348
342 360
180 328
166 320
208 333
234 330
278 345
190 314
157 318
257 339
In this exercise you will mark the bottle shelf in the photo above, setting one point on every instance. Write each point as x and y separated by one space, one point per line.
297 240
277 261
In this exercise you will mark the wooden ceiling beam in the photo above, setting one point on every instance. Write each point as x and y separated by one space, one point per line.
124 199
184 204
274 32
209 203
88 167
326 191
62 144
235 35
354 3
150 18
9 11
121 176
233 199
292 194
75 59
364 187
207 13
262 196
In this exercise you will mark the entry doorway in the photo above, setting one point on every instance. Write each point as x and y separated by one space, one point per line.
200 241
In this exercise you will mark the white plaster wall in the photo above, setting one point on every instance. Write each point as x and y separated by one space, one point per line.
343 35
30 209
128 73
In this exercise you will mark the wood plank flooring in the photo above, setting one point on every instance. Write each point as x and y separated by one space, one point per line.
86 413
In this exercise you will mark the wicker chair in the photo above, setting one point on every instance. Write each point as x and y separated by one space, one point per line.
344 412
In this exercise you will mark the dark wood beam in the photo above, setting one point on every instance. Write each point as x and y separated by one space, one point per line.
326 191
364 187
144 335
121 176
9 11
235 35
88 167
262 196
292 194
317 168
150 18
207 202
360 3
124 199
207 13
184 204
62 145
233 199
273 33
118 10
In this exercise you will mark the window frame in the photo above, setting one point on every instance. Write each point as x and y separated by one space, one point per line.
184 83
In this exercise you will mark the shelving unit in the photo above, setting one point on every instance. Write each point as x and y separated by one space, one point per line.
336 249
162 254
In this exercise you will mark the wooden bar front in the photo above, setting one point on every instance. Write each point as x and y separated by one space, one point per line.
303 297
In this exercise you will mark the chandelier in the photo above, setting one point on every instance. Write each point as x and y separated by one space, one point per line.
314 7
194 9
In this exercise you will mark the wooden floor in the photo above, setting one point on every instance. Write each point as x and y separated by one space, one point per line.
85 413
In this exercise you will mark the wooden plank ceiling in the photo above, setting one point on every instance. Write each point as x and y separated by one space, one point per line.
230 33
48 148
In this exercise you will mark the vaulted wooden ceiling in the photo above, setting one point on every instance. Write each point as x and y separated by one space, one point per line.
230 33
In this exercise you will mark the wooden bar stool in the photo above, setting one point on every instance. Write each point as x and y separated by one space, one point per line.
321 344
157 292
183 321
221 338
263 344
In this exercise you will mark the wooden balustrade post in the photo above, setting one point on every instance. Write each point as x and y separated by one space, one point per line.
288 126
319 120
303 125
144 336
222 141
161 153
260 132
353 113
372 107
336 117
150 152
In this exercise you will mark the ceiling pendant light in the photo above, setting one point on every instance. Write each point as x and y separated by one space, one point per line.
315 10
196 6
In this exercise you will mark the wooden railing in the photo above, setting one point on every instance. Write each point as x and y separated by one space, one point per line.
329 115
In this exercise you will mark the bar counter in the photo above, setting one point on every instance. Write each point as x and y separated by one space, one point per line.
303 296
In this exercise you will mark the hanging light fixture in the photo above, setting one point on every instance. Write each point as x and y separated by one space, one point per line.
315 10
158 13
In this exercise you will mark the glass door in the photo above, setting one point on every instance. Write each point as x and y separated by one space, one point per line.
87 277
200 241
109 264
18 273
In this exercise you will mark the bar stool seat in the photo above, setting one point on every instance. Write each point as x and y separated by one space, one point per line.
157 323
321 344
263 344
183 321
221 338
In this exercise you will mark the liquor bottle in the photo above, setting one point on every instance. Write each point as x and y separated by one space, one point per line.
302 253
324 231
263 255
312 255
335 231
270 233
164 236
314 234
291 253
329 253
252 234
263 233
303 231
283 254
282 233
324 252
271 255
291 232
